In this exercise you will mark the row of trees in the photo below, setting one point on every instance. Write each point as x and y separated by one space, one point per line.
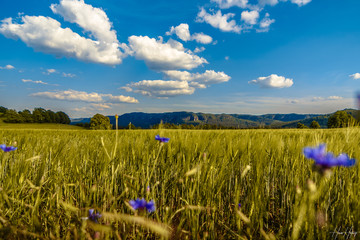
340 119
39 115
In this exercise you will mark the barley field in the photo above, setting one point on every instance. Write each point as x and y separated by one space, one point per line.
206 184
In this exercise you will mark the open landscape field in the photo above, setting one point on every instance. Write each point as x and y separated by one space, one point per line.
197 181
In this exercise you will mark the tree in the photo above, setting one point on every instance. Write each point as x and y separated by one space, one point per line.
12 116
3 109
301 125
340 119
61 117
27 116
100 122
314 124
39 115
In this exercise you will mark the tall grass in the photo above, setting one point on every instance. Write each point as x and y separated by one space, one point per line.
197 180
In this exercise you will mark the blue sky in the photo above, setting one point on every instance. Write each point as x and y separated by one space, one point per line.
213 56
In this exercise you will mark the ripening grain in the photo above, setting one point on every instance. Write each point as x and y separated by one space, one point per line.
196 180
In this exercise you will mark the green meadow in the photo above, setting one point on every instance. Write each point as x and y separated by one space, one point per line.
196 180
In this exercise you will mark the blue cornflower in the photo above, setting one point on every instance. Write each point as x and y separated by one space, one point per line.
327 160
7 149
94 216
162 139
142 204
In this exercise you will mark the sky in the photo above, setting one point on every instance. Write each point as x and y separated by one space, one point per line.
214 56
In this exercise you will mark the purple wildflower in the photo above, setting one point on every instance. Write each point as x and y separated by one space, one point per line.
142 204
162 139
94 216
327 160
239 205
7 149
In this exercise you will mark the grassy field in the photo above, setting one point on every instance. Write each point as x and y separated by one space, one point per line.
196 180
32 126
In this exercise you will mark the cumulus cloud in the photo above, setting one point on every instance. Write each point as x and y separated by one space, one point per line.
273 81
198 80
355 76
265 23
8 67
46 35
31 81
160 88
250 17
301 2
217 20
201 38
93 20
231 3
182 31
163 56
73 95
200 49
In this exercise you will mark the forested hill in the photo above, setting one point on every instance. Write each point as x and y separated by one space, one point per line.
146 120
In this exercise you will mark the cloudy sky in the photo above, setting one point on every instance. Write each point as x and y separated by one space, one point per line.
215 56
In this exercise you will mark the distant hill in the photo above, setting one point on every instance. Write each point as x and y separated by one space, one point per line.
146 120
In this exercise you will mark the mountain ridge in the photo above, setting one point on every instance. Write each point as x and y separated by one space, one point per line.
146 120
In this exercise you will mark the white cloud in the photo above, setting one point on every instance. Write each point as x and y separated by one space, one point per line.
160 88
265 24
226 58
182 31
231 3
317 99
355 76
120 99
49 71
93 20
70 75
163 56
219 21
197 50
268 2
335 98
250 17
8 67
46 35
100 106
198 80
31 81
301 2
273 81
201 38
73 95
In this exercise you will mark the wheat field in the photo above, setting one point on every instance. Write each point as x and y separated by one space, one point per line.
197 181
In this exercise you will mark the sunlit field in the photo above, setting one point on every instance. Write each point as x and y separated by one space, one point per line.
197 181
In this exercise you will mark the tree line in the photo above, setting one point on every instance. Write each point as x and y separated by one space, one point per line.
339 119
38 115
